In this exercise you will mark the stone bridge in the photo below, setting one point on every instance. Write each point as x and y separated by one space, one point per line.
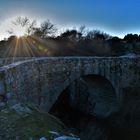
96 85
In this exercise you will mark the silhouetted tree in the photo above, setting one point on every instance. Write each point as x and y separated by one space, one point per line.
30 29
115 39
82 29
97 35
46 29
117 45
25 23
70 43
71 34
131 38
90 35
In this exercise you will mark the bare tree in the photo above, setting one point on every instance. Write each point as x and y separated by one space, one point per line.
97 34
22 21
46 29
31 27
90 34
82 29
10 31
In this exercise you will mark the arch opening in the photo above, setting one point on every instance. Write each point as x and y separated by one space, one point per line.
85 104
95 95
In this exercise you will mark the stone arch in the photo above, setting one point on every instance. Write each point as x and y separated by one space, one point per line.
75 108
93 94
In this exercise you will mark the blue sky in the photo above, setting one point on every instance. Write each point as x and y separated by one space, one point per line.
117 17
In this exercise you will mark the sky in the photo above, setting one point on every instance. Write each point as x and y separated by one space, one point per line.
116 17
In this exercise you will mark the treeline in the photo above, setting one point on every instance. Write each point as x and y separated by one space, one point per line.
44 41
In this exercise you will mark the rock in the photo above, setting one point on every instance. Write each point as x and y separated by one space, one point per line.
17 138
94 130
2 87
42 138
66 138
2 104
9 95
53 133
21 109
28 122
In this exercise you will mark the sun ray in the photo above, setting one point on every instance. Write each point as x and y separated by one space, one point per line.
8 51
33 46
28 48
15 48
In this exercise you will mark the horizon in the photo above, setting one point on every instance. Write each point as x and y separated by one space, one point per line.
115 18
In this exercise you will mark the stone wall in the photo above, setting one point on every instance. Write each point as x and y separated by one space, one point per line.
7 61
42 80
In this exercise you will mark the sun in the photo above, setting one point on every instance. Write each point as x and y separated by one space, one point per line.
19 32
18 35
18 27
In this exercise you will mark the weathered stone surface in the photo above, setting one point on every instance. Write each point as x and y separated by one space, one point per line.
6 61
41 80
93 95
21 109
32 124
